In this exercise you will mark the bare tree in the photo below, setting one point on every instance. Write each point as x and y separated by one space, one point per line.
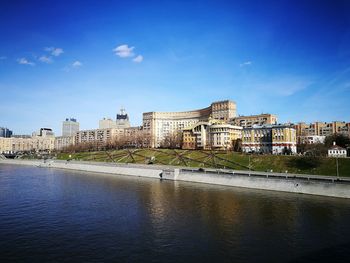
172 140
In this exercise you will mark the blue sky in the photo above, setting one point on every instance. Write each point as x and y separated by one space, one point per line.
61 59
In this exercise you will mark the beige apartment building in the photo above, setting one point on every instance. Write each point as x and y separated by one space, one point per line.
210 135
44 140
5 145
321 129
162 124
43 144
275 139
260 119
99 136
62 142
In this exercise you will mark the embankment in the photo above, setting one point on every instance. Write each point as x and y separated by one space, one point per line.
303 184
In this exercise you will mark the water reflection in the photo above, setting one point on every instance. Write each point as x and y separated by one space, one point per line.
55 215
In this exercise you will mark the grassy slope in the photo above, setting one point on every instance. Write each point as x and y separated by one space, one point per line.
292 164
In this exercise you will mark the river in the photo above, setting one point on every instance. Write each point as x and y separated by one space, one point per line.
51 215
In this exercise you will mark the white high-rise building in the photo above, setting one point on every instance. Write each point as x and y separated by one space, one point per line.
70 127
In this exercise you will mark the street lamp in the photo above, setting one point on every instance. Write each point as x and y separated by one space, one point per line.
336 160
249 164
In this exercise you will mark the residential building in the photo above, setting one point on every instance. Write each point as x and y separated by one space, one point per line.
5 145
43 143
62 142
223 136
98 136
107 123
69 127
43 140
162 124
336 151
260 119
196 136
5 132
321 129
136 137
210 135
311 139
275 139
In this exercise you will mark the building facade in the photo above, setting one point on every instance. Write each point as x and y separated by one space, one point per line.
336 151
5 132
69 127
210 135
311 139
249 121
121 121
5 145
107 123
62 142
274 139
162 124
98 136
43 140
321 129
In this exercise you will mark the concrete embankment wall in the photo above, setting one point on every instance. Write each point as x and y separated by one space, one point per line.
92 167
315 185
293 185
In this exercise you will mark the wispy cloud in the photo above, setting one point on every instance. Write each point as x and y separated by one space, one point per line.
138 59
3 57
247 63
54 51
77 64
283 85
124 51
46 59
24 61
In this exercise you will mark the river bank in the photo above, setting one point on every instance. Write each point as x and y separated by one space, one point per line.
285 182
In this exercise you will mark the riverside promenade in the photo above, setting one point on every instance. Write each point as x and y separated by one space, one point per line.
295 183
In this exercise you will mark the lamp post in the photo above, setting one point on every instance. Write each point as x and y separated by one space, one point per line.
249 164
336 160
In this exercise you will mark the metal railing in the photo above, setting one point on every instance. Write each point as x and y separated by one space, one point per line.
270 175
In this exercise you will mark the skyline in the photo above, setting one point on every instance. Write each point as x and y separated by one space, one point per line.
87 60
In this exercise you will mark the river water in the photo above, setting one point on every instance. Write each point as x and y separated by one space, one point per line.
49 215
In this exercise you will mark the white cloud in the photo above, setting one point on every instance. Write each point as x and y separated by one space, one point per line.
138 59
247 63
284 85
46 59
77 64
54 51
124 51
3 58
24 61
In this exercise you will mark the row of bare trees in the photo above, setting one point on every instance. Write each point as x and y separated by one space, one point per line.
320 149
135 140
138 139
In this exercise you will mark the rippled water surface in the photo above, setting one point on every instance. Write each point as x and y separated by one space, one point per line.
55 215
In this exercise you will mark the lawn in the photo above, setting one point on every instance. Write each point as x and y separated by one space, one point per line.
218 159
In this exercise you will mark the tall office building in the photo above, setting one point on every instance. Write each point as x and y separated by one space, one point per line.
122 120
70 127
4 132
